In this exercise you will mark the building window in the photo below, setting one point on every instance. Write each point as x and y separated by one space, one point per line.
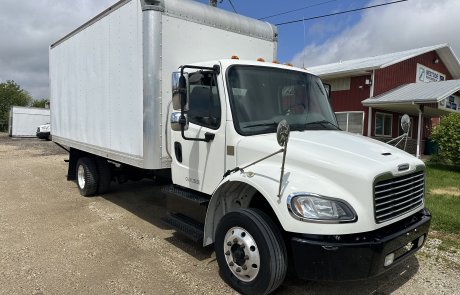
351 121
401 131
383 124
339 84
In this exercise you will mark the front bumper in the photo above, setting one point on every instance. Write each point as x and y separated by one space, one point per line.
358 256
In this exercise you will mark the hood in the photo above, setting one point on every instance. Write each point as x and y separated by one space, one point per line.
327 150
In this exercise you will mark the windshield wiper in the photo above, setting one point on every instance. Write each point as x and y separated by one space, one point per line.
323 123
262 124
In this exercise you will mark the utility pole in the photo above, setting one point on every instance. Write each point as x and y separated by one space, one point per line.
213 3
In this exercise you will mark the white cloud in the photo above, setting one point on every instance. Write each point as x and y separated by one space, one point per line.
398 27
27 28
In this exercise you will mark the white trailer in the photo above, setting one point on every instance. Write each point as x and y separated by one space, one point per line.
147 89
23 121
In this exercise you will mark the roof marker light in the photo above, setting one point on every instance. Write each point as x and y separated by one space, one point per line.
235 57
288 64
260 59
275 61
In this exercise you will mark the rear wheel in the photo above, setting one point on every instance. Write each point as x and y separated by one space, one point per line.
105 175
87 176
250 252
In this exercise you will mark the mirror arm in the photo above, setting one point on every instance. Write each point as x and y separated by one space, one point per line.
282 169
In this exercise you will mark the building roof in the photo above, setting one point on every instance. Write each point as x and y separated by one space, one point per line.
432 92
365 65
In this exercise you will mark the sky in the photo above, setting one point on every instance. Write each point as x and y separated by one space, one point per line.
27 28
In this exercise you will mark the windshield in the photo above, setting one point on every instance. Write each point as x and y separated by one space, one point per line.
261 97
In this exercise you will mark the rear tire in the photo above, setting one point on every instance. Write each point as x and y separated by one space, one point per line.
105 175
250 251
87 176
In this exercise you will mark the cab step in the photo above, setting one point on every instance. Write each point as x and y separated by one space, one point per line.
187 226
193 196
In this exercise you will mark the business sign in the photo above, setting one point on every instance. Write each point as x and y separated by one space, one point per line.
450 103
425 74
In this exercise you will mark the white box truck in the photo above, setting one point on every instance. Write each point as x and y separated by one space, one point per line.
23 121
147 89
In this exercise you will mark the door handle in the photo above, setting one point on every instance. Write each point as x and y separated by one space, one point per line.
208 136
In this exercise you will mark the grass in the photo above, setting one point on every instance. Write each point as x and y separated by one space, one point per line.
444 204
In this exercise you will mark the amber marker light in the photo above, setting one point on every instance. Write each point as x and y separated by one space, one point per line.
235 57
260 59
275 62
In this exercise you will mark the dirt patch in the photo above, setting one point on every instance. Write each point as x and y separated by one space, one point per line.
451 191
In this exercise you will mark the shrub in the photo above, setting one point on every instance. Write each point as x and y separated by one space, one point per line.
447 136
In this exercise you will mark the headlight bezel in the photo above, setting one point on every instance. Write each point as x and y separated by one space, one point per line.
299 217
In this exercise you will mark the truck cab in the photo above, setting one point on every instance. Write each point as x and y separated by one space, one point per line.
345 206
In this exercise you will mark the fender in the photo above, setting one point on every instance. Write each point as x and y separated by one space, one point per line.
238 189
234 191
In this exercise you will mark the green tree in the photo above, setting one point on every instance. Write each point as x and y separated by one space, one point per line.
11 94
447 136
39 103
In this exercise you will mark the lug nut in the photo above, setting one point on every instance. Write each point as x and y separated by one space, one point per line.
235 240
227 253
238 269
244 267
229 243
231 263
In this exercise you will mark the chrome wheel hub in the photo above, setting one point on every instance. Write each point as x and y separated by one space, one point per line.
81 176
242 254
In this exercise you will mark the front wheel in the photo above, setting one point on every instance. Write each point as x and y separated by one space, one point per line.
250 252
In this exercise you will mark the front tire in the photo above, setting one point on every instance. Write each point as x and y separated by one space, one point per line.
87 176
250 252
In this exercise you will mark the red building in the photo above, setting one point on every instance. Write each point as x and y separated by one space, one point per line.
385 87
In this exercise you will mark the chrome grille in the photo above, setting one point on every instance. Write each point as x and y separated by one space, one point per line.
396 196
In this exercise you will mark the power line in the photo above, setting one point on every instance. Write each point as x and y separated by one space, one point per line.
231 3
337 13
297 9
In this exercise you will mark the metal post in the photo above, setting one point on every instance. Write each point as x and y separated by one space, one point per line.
371 94
419 131
369 122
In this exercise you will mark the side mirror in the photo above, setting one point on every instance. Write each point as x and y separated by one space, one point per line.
175 90
178 96
183 92
405 123
175 121
282 133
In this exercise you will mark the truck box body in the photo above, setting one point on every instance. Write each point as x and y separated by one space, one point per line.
111 78
24 121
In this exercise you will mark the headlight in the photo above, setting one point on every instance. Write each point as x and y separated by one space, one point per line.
312 207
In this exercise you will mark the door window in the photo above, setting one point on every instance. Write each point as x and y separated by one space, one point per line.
204 102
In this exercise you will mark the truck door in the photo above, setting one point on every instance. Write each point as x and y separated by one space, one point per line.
199 165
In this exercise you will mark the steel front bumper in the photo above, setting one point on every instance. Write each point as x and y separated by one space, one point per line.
358 256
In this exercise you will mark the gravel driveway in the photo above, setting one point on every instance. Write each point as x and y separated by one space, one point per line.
53 241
